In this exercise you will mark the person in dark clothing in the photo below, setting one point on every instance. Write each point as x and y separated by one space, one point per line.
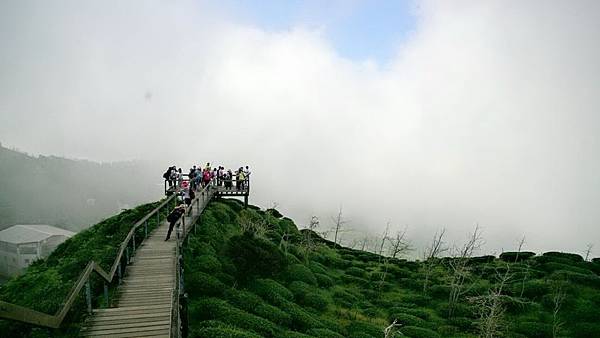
167 176
173 217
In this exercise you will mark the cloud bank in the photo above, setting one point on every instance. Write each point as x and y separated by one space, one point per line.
488 113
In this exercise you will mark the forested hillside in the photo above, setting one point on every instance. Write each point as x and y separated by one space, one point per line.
72 194
251 273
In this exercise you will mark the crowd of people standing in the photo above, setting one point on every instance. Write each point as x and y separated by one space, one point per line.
199 177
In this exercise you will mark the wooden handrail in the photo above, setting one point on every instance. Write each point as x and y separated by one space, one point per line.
27 315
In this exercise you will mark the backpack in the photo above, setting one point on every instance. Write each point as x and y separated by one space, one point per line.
171 217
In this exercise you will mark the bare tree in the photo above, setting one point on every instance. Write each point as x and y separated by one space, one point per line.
253 223
521 243
491 308
384 237
431 255
588 251
557 300
338 226
364 242
308 243
391 330
459 269
399 245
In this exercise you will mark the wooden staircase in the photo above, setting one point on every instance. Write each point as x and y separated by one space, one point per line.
146 295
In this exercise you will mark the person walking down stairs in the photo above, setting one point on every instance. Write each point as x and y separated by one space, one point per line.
173 217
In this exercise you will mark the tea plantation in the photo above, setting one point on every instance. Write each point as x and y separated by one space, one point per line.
251 273
275 281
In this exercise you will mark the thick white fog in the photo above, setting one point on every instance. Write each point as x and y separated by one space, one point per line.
488 113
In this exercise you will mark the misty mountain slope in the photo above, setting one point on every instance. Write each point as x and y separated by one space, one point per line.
46 283
72 194
255 283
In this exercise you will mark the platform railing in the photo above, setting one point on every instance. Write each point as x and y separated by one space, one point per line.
27 315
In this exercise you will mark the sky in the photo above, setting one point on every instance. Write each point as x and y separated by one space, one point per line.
428 114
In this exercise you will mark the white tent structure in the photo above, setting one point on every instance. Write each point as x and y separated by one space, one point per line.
22 244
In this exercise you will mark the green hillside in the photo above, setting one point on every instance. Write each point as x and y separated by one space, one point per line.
258 284
72 194
47 282
252 273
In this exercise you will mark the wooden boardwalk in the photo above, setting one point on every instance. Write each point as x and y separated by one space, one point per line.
146 295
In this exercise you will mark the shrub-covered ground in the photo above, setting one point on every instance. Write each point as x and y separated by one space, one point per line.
271 280
46 283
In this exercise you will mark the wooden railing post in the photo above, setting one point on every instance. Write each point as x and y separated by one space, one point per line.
127 254
106 294
146 229
133 247
120 273
88 296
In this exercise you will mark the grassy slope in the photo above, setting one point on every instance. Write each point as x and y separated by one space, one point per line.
255 286
47 282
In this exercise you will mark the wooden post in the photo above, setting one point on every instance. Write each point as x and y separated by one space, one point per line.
88 296
105 294
120 273
133 247
246 201
127 254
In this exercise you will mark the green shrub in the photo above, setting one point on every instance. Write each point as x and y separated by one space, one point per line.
586 329
355 280
513 256
447 330
197 248
533 329
301 320
212 308
317 268
324 333
418 332
225 278
294 334
308 296
299 272
222 332
343 297
439 291
553 266
271 291
292 259
460 310
365 328
405 319
323 280
361 335
207 263
532 289
411 311
252 303
463 323
578 278
202 284
356 272
572 257
254 256
481 260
